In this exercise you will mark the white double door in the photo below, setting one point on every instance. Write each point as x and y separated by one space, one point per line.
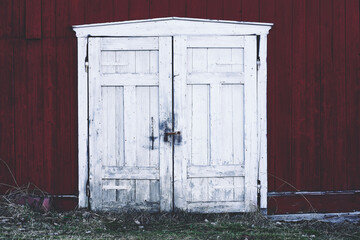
172 123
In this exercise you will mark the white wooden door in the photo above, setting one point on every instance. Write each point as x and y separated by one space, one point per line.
215 109
214 164
130 167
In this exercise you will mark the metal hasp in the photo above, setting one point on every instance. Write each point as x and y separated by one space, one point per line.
167 134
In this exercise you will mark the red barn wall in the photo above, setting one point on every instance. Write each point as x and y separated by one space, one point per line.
313 89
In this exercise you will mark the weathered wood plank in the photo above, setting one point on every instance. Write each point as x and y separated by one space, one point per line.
250 113
129 126
215 124
95 128
143 123
7 112
199 125
311 175
139 9
159 8
232 10
216 207
262 122
194 171
119 13
165 122
216 42
182 113
130 79
50 108
129 44
214 9
352 36
48 21
130 173
33 19
218 78
227 124
83 116
267 14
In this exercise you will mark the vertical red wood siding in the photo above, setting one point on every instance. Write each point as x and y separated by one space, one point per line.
313 88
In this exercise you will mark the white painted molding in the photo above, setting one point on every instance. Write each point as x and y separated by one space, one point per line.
82 122
262 120
172 26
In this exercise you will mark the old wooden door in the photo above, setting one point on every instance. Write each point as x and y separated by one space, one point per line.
136 94
130 107
215 104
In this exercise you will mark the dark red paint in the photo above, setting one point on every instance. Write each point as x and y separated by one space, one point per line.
313 88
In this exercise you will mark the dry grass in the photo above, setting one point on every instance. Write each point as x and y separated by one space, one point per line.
20 222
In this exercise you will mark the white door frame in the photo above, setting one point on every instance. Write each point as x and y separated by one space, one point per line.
170 27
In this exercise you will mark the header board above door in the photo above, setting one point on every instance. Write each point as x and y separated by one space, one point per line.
172 26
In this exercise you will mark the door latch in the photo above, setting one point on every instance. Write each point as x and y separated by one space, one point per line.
167 134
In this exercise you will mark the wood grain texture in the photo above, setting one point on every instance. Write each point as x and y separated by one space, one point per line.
312 66
121 10
139 9
177 8
232 10
64 166
48 20
18 18
6 18
339 97
251 10
267 14
322 204
21 113
313 71
352 71
50 141
62 18
284 169
159 8
329 98
215 9
99 11
196 8
35 122
7 102
33 19
299 100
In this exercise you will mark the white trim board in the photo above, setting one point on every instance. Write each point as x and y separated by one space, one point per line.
171 26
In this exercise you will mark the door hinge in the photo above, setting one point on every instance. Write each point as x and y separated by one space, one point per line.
87 66
258 63
87 190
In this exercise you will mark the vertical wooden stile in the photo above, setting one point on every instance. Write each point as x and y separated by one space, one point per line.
165 112
250 125
95 149
181 121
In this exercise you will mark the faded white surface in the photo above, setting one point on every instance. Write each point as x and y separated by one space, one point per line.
219 107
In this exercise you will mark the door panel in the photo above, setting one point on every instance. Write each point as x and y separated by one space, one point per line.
126 154
214 164
214 84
